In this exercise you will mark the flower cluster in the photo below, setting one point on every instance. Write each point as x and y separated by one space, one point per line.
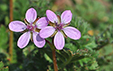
37 30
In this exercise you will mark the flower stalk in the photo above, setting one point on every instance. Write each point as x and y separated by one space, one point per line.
11 33
54 60
54 55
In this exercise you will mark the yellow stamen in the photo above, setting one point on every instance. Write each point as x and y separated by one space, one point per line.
26 22
59 19
52 24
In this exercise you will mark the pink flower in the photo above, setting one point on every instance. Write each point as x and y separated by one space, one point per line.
59 27
30 26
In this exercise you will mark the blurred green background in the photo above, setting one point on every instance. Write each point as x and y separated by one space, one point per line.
93 52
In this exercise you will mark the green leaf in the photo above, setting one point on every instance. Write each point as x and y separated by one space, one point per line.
91 45
1 65
2 68
94 65
3 37
60 57
64 53
71 57
71 47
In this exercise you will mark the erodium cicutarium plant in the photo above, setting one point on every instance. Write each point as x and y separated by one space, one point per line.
30 28
59 28
37 30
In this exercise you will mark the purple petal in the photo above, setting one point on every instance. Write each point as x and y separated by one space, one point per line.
72 32
38 41
51 16
24 40
17 26
59 41
31 15
47 32
66 17
42 22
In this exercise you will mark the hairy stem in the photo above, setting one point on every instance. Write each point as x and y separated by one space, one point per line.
11 33
54 60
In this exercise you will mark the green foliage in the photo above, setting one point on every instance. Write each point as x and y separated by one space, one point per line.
2 68
3 44
35 62
20 7
3 37
41 6
94 9
3 10
68 57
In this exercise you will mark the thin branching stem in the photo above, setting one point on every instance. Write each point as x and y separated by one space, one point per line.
11 33
54 55
54 60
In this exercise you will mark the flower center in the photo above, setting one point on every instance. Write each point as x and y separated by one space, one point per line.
30 27
59 27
